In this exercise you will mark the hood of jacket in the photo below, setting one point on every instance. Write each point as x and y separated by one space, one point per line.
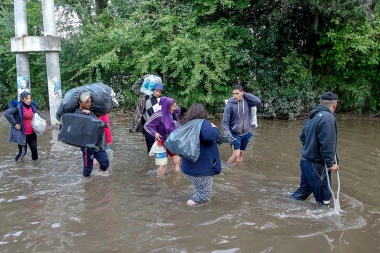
232 100
319 108
166 103
168 118
14 103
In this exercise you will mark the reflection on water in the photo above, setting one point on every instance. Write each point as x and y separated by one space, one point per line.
46 206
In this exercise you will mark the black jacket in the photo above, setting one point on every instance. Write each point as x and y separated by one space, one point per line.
319 136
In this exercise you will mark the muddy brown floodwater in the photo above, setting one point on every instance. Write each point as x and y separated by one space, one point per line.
45 206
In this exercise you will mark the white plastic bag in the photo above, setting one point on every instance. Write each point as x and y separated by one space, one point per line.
149 83
153 148
254 117
110 154
38 124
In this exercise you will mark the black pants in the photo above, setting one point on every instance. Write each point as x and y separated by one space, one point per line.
31 140
149 139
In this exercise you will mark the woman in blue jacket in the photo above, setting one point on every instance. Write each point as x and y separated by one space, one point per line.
20 115
202 171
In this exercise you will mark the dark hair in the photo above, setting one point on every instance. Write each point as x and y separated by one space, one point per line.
238 87
196 111
24 94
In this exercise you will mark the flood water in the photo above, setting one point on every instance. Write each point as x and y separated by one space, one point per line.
46 206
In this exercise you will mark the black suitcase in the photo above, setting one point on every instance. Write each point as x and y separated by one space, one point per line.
82 130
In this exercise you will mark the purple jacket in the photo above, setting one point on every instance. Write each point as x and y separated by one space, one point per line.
161 121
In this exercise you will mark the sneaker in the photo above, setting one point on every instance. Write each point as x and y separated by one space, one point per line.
191 203
103 173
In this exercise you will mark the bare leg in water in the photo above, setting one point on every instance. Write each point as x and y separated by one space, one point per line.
176 161
237 156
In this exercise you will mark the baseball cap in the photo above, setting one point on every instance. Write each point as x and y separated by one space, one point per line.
159 86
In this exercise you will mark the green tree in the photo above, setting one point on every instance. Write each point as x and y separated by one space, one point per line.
285 51
7 59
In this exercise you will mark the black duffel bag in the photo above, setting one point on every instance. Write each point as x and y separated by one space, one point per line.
103 99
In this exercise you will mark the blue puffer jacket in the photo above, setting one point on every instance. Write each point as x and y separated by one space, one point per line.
15 115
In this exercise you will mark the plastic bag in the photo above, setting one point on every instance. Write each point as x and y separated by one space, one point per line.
150 81
110 154
153 148
184 141
38 124
254 117
103 99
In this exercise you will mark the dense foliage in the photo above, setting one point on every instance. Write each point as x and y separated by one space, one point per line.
285 51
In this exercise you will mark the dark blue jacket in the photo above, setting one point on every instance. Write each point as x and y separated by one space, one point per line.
208 162
15 115
319 136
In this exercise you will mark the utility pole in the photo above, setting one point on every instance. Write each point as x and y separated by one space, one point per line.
52 60
22 58
23 44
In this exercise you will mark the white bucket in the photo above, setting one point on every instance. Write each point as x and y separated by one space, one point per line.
160 157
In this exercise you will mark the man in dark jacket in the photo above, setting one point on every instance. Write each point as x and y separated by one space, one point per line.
236 121
319 142
90 154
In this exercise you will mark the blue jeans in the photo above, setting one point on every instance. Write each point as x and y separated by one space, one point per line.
241 142
313 180
88 160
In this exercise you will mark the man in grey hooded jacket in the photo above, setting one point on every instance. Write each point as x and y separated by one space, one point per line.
237 121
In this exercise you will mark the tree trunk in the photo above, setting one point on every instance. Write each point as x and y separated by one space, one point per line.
100 5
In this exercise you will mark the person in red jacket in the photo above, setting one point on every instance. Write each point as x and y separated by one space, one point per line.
107 130
108 134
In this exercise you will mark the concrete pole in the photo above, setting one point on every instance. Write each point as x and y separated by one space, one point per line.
52 61
22 59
